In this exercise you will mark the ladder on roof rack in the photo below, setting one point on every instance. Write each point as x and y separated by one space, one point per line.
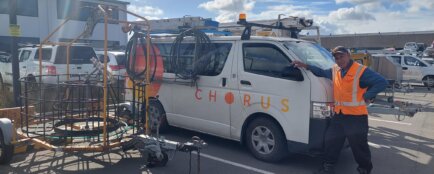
294 25
177 25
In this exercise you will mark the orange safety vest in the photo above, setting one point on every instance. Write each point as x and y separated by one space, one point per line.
347 93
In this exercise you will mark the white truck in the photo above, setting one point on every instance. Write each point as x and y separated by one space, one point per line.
415 69
53 63
253 96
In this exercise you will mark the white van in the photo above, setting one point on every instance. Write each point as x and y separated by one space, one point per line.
254 96
415 69
53 63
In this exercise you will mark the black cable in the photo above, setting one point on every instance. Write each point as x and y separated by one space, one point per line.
138 38
204 56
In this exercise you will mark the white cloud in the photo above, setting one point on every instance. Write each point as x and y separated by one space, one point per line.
353 13
417 5
355 1
228 10
147 11
272 12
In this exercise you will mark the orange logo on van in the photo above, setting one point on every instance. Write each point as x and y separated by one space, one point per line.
247 99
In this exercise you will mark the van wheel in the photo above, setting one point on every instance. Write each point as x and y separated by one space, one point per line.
428 81
6 151
156 112
266 140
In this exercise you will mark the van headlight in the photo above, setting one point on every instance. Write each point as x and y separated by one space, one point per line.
321 110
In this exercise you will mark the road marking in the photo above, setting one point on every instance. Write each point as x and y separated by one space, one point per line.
378 145
403 123
234 163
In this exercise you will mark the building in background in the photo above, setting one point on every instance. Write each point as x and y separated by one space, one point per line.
37 18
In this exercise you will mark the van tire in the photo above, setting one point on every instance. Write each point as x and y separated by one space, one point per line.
428 81
264 129
157 110
6 151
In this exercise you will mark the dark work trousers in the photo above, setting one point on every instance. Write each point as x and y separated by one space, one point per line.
355 129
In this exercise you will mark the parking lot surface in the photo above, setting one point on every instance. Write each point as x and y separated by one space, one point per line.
398 147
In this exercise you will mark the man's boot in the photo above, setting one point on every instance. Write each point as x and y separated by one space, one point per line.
326 168
363 171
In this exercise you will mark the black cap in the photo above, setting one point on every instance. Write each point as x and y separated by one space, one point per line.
340 49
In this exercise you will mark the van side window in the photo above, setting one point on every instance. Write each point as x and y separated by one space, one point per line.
78 55
396 59
46 54
25 55
411 61
264 59
217 57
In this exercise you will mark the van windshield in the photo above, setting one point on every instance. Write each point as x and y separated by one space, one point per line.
312 54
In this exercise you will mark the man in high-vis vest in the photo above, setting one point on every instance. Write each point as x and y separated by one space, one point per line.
354 87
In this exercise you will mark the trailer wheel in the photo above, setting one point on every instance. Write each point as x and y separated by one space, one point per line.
6 151
266 140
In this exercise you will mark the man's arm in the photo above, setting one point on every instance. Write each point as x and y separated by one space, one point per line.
374 82
315 70
320 72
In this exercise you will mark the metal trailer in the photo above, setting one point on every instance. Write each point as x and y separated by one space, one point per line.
386 102
85 113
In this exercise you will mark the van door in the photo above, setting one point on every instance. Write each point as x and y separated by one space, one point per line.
263 89
414 69
406 75
204 106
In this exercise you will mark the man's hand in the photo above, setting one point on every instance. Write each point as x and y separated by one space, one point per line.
299 64
369 101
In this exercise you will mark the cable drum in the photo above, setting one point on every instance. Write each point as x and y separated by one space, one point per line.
135 54
202 61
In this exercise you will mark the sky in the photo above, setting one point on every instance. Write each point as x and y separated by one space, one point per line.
332 16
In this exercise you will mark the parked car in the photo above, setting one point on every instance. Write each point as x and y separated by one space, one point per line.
5 57
415 69
411 47
116 62
53 63
420 47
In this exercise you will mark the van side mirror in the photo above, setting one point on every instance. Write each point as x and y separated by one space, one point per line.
292 73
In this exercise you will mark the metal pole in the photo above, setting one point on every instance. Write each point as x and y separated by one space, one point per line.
105 139
14 52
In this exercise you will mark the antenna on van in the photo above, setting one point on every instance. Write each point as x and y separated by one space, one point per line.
297 24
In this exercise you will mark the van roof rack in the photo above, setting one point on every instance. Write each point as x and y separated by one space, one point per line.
173 26
293 24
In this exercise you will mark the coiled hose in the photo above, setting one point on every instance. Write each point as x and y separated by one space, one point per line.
204 57
138 40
